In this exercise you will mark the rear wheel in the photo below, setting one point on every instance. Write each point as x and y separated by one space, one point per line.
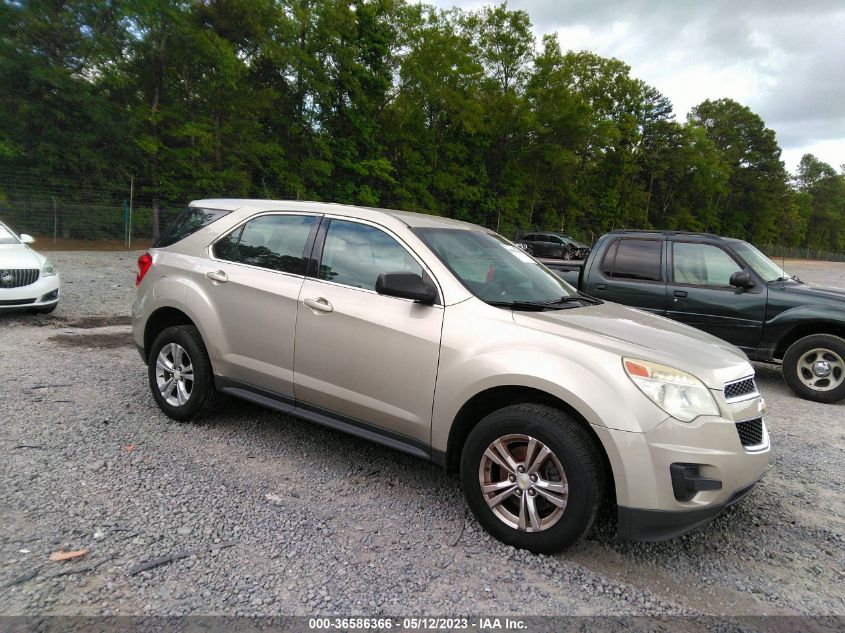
814 367
180 374
533 477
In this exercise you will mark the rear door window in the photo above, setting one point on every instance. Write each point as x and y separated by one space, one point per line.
275 242
187 223
634 259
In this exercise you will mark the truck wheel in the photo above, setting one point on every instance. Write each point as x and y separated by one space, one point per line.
180 374
814 368
533 477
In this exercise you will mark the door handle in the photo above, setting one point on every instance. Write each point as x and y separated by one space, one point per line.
680 293
319 304
601 286
218 276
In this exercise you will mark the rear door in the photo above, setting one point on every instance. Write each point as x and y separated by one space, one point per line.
631 273
252 280
699 294
371 358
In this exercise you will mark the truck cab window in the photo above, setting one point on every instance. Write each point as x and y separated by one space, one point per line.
634 259
702 265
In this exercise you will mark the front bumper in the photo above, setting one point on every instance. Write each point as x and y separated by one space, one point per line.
636 524
44 292
722 469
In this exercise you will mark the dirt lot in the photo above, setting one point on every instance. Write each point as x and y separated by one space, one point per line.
277 516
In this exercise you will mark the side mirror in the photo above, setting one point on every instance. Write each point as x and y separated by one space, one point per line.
27 239
742 279
406 286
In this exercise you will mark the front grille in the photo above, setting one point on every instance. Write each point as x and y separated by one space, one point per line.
750 432
18 277
740 388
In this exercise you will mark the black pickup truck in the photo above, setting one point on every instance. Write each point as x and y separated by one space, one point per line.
730 289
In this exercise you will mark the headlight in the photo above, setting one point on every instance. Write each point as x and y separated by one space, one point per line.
48 269
681 395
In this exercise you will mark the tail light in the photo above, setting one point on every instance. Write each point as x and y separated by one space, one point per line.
144 263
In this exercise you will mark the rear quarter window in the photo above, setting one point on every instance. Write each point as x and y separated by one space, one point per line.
187 223
634 259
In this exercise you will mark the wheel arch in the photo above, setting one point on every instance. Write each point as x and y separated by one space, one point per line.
808 328
495 398
161 319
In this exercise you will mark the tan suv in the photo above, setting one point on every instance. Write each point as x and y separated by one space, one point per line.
443 340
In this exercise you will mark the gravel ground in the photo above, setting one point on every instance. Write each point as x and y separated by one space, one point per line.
278 516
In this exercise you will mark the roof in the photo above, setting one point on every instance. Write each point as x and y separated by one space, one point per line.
668 233
408 218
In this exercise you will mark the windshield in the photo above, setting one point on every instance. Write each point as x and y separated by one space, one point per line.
495 270
759 263
6 236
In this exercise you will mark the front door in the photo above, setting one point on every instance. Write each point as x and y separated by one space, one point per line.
363 355
699 294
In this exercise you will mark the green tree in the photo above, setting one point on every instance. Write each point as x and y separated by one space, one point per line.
432 127
757 182
504 45
56 124
822 192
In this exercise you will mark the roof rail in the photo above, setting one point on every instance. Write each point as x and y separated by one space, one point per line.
664 232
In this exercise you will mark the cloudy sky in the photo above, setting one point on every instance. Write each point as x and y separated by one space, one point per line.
785 59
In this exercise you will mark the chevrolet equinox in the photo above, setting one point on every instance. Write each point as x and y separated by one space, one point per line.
444 340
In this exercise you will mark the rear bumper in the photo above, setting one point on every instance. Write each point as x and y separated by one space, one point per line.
637 524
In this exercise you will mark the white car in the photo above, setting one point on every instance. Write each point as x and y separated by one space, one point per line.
28 280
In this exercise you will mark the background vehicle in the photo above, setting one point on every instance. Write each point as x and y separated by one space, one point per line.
28 280
554 245
730 289
444 340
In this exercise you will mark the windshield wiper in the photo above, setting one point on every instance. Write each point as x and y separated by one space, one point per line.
535 306
538 306
578 297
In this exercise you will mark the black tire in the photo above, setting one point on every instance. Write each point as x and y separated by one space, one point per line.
577 454
46 310
792 371
203 395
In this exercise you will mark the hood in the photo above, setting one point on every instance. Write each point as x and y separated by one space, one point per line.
834 296
19 256
633 333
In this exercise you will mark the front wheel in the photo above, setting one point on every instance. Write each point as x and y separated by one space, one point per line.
533 477
814 368
180 374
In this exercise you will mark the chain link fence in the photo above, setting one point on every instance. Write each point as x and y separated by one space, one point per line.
779 251
61 225
69 217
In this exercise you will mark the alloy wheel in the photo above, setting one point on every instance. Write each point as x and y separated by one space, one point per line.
523 483
174 374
